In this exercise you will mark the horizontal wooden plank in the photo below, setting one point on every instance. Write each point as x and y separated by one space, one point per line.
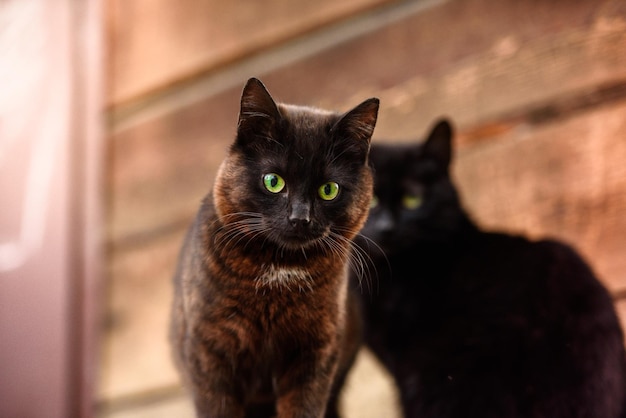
512 78
160 171
153 43
565 179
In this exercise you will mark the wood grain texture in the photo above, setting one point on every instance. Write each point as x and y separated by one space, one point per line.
160 170
512 77
156 42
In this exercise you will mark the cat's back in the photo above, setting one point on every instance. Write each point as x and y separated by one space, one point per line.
526 321
548 271
545 284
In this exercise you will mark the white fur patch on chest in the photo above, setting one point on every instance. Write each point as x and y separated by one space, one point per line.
289 278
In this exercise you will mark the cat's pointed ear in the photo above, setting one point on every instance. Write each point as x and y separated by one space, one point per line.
258 113
357 125
439 143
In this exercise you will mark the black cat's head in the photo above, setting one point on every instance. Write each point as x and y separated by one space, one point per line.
414 198
296 175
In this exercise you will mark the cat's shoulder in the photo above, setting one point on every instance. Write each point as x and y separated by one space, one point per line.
550 255
560 253
205 218
197 233
547 248
566 269
568 263
207 208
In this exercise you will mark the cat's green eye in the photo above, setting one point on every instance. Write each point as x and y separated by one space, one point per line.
273 182
373 202
328 191
411 202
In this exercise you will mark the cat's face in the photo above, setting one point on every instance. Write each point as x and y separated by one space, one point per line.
296 175
414 198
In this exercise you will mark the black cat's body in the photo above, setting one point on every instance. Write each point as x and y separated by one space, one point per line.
478 324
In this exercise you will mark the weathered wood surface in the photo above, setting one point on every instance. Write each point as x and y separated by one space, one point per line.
470 59
154 43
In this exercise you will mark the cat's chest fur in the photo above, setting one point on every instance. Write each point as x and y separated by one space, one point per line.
275 276
269 299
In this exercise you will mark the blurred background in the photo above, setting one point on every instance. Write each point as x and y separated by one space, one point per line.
114 115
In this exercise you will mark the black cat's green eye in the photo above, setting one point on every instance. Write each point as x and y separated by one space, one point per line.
411 202
373 202
328 191
273 182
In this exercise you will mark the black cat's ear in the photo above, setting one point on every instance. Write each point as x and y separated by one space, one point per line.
439 143
258 114
355 128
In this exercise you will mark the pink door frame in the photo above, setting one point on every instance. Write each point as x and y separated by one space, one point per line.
50 212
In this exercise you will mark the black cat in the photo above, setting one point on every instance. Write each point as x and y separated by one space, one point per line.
263 324
479 324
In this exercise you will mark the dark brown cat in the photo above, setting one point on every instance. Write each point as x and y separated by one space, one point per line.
261 324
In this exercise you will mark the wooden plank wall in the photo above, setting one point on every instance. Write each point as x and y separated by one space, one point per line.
536 89
155 44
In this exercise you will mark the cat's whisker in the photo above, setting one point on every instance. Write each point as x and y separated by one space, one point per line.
354 257
336 248
239 230
226 233
256 233
365 265
246 234
370 242
360 260
224 219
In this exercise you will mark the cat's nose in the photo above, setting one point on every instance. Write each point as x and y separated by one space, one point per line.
299 223
300 216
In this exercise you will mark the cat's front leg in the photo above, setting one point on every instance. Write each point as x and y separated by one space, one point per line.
213 404
213 385
304 388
